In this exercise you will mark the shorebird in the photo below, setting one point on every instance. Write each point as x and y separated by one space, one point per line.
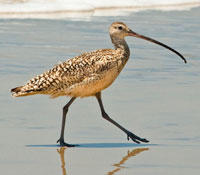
87 75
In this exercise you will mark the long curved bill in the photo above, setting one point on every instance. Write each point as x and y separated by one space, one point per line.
131 33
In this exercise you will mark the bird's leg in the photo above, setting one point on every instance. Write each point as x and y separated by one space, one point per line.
65 110
105 116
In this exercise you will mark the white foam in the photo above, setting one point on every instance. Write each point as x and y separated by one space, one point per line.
85 8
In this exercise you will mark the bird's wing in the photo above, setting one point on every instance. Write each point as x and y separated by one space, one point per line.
73 71
86 65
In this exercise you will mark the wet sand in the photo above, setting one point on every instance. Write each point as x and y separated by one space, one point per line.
156 96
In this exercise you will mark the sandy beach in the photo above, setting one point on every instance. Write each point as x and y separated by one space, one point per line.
156 96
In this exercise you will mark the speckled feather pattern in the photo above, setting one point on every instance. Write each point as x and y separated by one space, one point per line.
80 76
84 75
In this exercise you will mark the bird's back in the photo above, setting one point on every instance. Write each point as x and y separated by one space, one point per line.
80 76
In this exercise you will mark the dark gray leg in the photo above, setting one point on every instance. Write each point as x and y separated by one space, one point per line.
105 116
65 110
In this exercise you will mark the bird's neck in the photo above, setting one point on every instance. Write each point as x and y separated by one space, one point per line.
120 44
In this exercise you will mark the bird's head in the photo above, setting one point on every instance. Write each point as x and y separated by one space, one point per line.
120 30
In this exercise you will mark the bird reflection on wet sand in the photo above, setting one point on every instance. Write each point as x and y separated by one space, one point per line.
118 166
132 153
61 151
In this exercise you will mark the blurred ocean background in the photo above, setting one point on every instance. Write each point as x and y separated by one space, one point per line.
86 8
156 95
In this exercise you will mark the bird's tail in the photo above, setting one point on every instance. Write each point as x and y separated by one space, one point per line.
37 85
41 84
22 91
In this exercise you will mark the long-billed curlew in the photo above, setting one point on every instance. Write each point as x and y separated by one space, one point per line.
87 75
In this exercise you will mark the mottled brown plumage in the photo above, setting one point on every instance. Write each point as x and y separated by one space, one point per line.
87 75
81 76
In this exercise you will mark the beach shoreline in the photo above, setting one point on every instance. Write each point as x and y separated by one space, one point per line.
156 96
24 11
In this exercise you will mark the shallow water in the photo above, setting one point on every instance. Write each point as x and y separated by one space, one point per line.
156 96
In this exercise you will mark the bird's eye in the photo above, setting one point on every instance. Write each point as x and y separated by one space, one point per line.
120 27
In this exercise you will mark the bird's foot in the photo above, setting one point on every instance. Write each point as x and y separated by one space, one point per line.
63 144
135 138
